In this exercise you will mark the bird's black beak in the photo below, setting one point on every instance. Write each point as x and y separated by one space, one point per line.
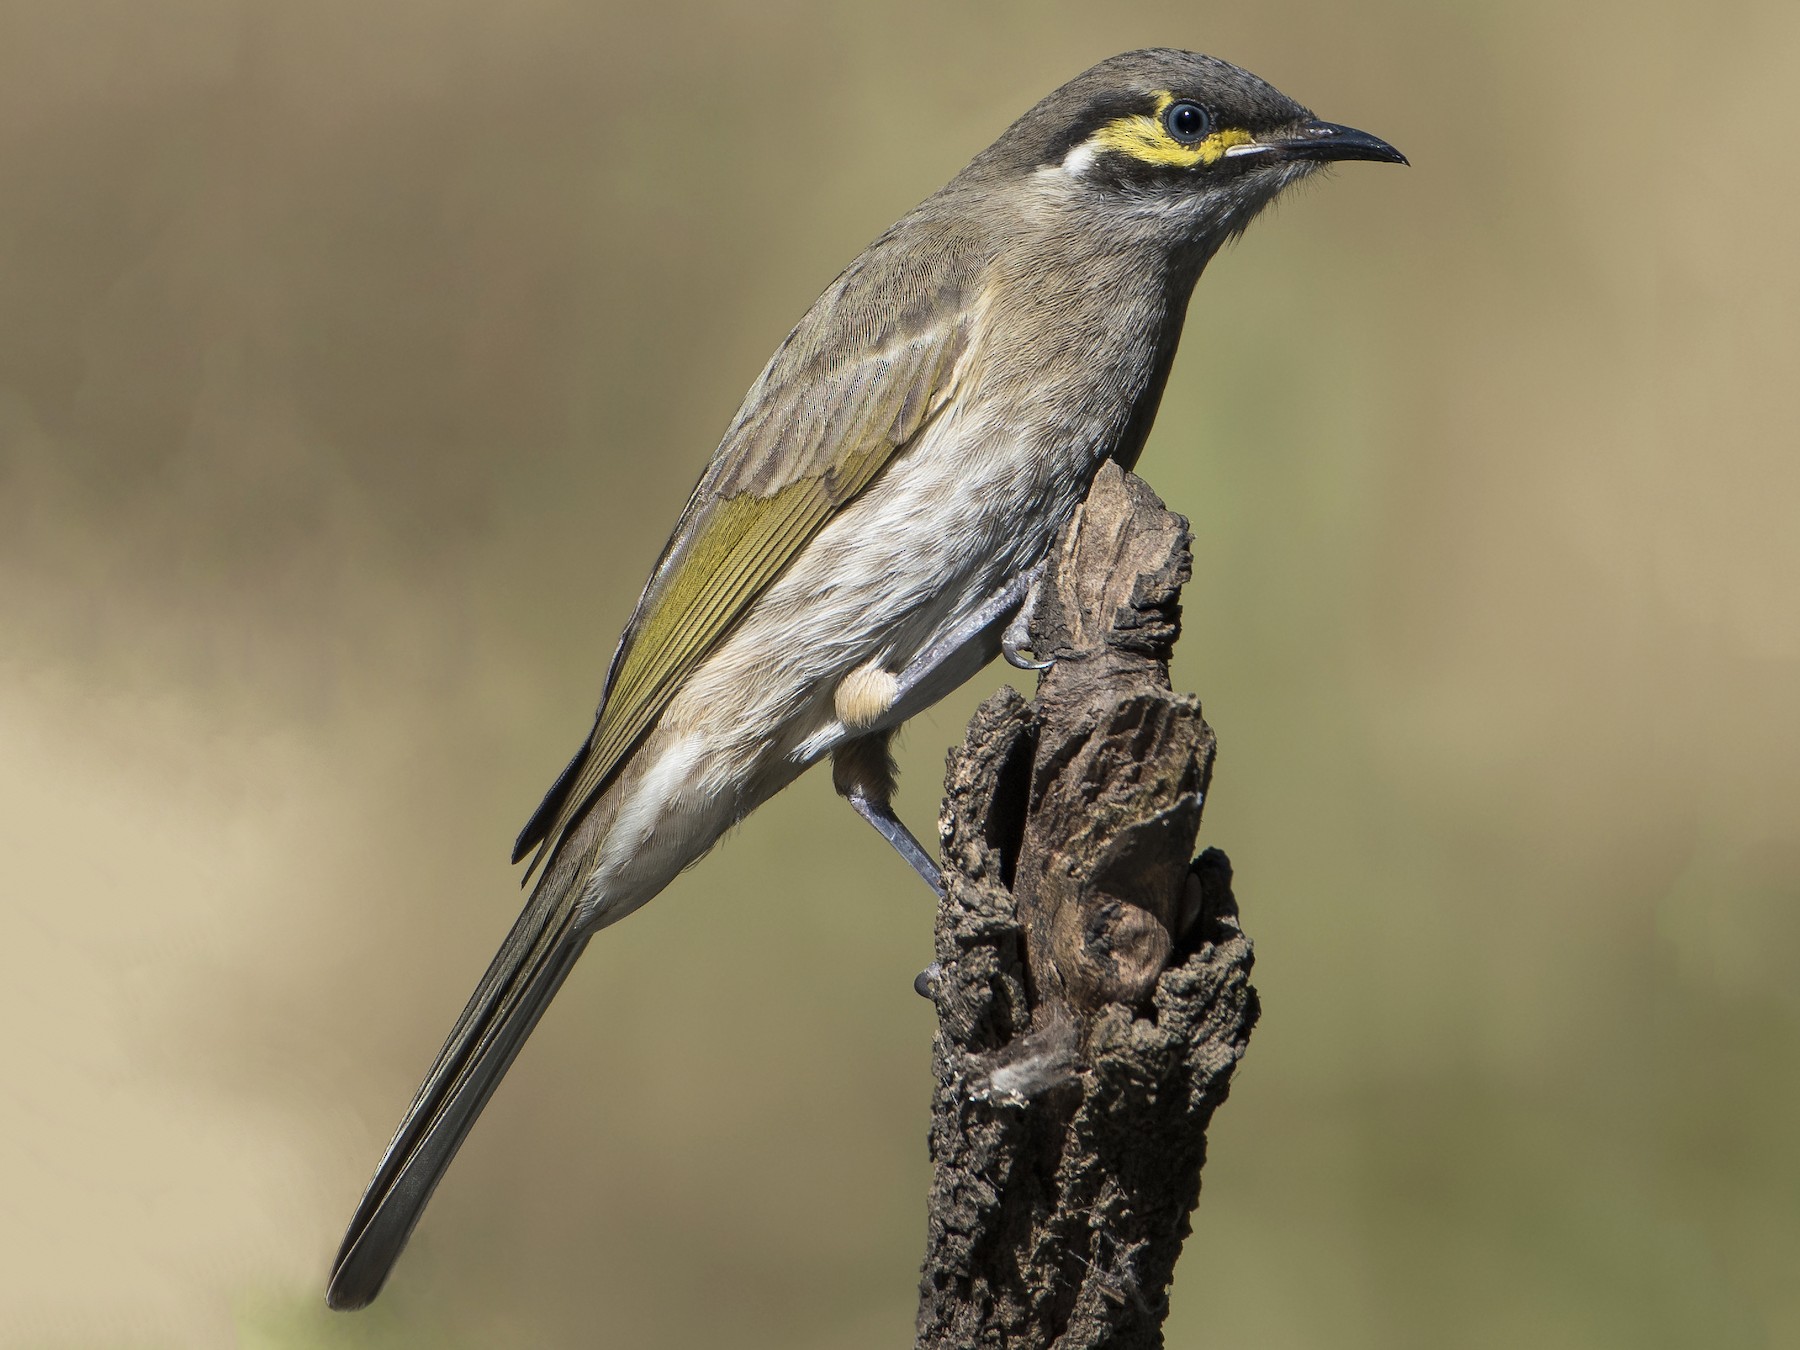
1318 141
1329 141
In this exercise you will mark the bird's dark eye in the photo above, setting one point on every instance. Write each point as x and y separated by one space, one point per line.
1187 122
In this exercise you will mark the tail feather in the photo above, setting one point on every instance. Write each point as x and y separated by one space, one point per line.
524 976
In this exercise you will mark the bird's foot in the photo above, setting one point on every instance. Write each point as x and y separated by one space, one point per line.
1015 639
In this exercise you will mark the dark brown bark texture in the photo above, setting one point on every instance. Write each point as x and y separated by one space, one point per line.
1093 987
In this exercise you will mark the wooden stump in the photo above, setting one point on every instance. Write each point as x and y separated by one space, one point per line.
1094 993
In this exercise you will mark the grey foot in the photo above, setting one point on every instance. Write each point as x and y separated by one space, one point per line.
1016 638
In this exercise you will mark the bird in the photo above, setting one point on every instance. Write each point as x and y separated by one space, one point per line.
873 526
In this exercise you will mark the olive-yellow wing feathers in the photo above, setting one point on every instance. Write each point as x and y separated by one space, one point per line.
832 408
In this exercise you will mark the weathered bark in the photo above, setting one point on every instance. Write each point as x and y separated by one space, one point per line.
1093 991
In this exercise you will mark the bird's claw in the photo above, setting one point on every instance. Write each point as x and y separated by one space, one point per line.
1014 652
925 982
1015 639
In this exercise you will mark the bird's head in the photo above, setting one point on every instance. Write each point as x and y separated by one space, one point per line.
1189 142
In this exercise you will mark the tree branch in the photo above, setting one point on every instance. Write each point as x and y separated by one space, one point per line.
1093 990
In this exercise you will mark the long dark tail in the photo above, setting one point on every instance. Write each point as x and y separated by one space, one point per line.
525 975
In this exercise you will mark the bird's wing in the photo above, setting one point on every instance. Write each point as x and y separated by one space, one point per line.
849 389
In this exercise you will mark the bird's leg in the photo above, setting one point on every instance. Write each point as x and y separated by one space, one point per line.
861 768
1018 598
880 813
862 771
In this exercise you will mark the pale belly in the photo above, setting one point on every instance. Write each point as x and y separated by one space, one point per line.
940 532
930 542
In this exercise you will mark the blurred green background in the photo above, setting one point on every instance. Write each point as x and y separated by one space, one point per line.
355 359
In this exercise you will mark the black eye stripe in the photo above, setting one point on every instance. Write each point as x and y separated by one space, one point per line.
1187 122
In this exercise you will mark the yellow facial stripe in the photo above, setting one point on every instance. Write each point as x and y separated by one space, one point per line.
1146 139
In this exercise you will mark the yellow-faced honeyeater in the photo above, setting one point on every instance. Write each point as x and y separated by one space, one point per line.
871 528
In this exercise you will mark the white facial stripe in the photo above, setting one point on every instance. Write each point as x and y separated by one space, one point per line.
1248 148
1077 162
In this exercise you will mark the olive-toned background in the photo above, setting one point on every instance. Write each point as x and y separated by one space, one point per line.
355 359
